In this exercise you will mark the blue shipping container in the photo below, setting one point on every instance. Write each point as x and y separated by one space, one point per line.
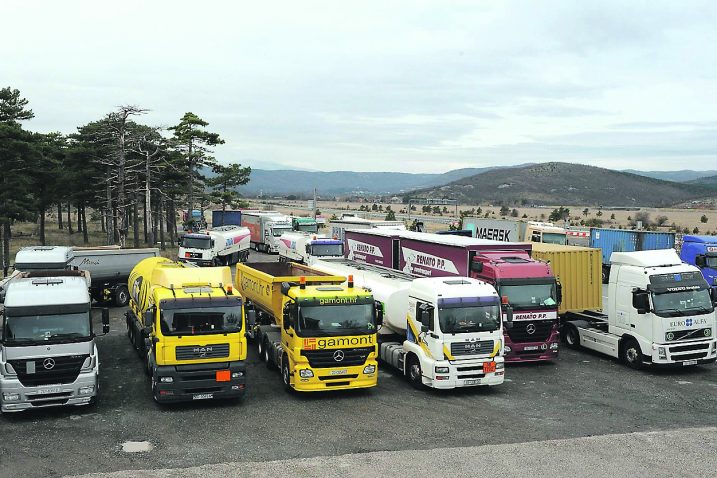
622 240
226 218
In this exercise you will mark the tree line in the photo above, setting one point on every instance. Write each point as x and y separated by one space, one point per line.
132 177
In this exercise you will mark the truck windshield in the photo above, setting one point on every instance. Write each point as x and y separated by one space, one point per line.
47 328
311 228
217 320
478 318
320 250
687 302
278 231
196 242
530 296
319 321
554 238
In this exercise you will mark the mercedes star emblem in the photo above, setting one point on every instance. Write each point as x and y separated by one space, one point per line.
530 329
48 363
339 355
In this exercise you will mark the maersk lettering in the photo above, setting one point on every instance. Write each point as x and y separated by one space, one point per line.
493 234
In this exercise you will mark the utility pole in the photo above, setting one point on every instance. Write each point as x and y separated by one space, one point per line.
315 205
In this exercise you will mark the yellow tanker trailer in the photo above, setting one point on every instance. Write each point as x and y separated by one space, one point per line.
188 326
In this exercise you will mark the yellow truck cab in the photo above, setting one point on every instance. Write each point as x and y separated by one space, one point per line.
319 332
188 326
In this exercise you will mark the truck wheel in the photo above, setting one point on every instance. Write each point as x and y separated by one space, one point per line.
632 354
285 375
414 372
267 355
605 275
260 348
121 296
572 336
155 393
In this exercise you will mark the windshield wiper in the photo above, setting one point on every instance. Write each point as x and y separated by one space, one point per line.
702 310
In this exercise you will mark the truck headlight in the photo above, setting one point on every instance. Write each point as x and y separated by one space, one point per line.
9 371
237 374
661 352
88 364
9 397
87 390
669 336
507 348
499 365
306 373
442 370
554 346
368 369
166 379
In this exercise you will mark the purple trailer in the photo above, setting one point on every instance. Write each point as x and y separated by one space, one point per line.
421 254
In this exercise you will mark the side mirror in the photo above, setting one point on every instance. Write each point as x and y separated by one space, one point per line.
250 318
149 317
701 261
477 267
640 301
379 313
424 329
105 320
559 293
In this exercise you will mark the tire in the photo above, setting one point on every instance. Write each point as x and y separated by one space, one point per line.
260 348
267 355
572 336
121 296
285 375
414 372
605 275
631 354
155 393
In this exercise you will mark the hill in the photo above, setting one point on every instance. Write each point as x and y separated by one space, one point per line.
709 181
680 176
564 183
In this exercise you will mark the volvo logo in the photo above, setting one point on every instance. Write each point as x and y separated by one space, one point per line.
530 329
48 363
339 355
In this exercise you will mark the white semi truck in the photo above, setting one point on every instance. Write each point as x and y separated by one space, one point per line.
659 312
224 245
266 227
305 248
48 355
441 332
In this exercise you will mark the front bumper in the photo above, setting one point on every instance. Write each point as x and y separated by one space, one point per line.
684 353
464 373
198 382
335 378
516 352
44 396
199 262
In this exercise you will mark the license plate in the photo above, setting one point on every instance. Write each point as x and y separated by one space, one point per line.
46 391
339 372
488 367
689 362
531 347
202 396
472 381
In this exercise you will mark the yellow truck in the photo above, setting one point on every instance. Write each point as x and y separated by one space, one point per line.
319 332
188 325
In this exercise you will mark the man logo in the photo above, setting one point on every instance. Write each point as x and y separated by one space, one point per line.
339 355
48 363
530 329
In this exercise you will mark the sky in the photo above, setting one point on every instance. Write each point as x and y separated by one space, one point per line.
411 86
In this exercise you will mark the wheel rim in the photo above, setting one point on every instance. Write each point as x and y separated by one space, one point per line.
631 354
123 297
266 354
285 374
570 338
415 372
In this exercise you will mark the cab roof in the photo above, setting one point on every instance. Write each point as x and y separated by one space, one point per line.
700 239
39 291
656 258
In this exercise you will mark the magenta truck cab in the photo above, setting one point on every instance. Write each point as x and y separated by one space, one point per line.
533 297
532 292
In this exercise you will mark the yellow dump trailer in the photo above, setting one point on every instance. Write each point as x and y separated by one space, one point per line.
578 269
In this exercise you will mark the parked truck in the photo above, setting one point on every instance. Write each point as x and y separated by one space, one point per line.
701 251
266 227
319 333
304 248
659 312
304 224
226 217
224 245
438 332
528 285
508 230
48 354
37 258
188 325
623 240
347 221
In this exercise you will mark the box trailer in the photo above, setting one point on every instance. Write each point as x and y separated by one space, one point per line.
339 226
226 218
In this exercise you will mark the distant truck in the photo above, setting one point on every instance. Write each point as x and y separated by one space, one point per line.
48 354
347 221
224 245
319 333
508 230
188 325
226 218
265 228
660 312
701 251
305 248
529 286
440 333
304 224
623 240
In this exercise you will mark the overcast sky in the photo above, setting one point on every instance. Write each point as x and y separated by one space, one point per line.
415 86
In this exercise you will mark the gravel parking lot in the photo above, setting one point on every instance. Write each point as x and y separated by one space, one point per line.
580 395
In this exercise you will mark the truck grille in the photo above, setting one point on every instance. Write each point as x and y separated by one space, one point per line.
328 358
195 352
482 347
49 370
692 334
519 332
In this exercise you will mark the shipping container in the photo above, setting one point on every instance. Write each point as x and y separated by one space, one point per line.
623 240
579 270
226 218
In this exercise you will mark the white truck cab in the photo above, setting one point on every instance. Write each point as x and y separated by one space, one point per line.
659 312
305 248
224 245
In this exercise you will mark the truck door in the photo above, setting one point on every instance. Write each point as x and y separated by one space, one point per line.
621 293
427 316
